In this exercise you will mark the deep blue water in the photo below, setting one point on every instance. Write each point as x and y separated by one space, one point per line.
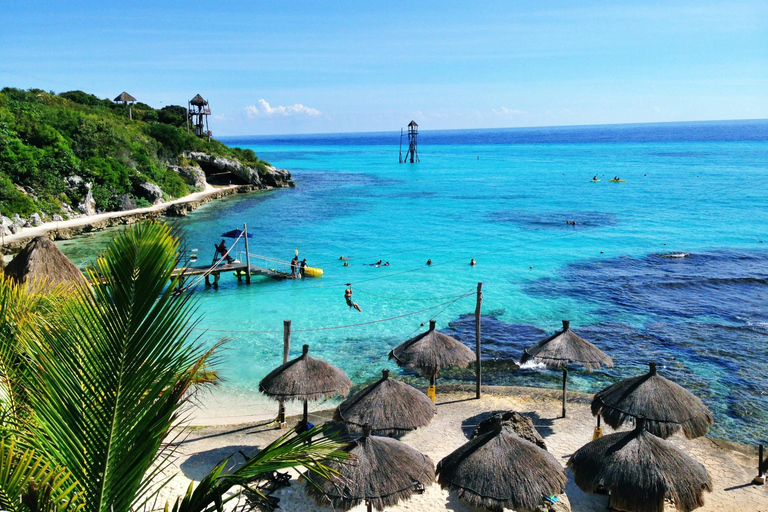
503 197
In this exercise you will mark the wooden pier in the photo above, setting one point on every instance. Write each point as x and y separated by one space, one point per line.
237 268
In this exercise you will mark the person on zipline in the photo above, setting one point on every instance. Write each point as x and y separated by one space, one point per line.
348 298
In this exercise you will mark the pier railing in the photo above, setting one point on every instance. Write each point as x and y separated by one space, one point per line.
266 262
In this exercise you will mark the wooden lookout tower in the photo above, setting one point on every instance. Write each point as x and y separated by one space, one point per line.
198 112
412 153
126 99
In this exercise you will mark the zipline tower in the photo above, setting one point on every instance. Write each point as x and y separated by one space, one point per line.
198 112
412 153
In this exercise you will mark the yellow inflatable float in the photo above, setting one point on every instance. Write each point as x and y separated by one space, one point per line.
313 272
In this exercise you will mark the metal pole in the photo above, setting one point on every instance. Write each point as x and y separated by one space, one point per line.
565 386
247 256
760 478
286 350
478 366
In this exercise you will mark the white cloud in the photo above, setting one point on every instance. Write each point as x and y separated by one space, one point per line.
266 109
507 111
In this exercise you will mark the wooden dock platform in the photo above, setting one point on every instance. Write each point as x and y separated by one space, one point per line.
237 268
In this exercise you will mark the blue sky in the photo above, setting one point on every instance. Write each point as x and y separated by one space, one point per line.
308 67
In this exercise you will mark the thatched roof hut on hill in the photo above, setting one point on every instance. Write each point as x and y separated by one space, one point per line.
382 471
640 470
42 266
305 378
429 352
499 470
565 347
125 98
388 407
665 406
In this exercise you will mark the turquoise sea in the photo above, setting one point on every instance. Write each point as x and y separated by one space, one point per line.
503 198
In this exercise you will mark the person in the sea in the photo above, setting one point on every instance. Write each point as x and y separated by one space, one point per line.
222 249
303 267
616 178
386 264
595 178
378 263
472 262
294 265
348 298
346 263
429 261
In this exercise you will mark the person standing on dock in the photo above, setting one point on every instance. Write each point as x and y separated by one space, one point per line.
303 266
294 264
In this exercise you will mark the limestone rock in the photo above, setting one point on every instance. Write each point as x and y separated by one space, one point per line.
275 177
18 223
5 226
151 192
57 218
272 177
88 205
192 174
514 422
35 219
126 202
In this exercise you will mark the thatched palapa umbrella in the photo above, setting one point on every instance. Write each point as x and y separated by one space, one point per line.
42 266
664 405
640 470
566 347
305 378
499 470
387 406
382 471
429 352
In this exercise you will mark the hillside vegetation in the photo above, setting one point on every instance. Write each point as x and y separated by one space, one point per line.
58 150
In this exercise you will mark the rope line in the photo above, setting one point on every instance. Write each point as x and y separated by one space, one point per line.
342 326
414 299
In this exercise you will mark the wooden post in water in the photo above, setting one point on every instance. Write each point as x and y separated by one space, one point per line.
478 367
247 256
565 386
286 351
760 478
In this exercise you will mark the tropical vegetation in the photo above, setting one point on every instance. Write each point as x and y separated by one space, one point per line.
54 148
94 381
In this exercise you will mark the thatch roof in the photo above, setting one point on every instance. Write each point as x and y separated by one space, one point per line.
567 347
501 470
43 266
430 351
198 101
382 470
665 405
413 123
388 406
513 422
640 470
125 97
305 378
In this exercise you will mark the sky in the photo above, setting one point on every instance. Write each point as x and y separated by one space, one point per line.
318 66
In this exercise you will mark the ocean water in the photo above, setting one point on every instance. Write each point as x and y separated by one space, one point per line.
503 197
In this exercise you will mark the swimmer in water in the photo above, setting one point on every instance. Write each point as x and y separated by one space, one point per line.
429 261
348 298
473 262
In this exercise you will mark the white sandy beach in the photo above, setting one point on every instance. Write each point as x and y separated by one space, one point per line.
731 467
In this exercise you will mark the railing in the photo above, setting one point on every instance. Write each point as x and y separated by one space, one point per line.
266 262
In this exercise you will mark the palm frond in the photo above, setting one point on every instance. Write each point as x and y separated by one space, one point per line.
115 366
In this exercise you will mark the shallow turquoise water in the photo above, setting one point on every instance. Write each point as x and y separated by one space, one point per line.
506 205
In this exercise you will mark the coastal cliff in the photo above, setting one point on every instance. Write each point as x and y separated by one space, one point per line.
72 155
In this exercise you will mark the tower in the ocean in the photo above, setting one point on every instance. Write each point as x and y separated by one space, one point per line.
198 112
412 154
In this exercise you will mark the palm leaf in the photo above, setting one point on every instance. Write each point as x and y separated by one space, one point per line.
115 367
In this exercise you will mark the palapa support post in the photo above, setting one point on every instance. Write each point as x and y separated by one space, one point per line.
478 367
598 430
369 505
305 351
760 478
247 256
431 388
565 386
286 351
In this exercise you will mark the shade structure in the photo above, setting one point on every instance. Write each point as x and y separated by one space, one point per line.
387 407
198 101
305 378
382 471
499 470
563 348
640 470
124 97
430 351
42 266
235 233
665 406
